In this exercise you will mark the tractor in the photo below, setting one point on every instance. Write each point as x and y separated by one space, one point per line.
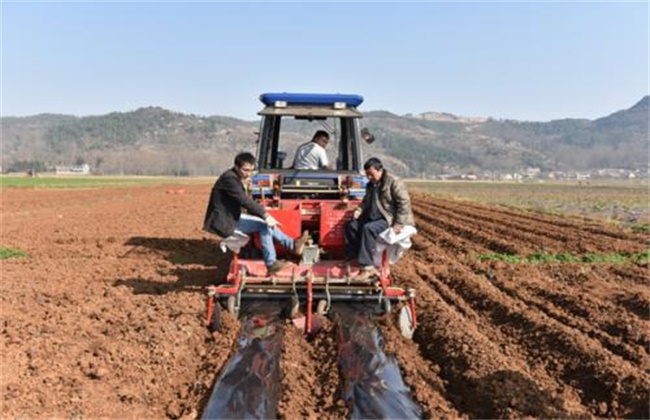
320 201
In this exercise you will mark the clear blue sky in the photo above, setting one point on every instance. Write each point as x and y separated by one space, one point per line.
532 61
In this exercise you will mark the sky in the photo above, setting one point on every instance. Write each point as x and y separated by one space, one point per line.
529 61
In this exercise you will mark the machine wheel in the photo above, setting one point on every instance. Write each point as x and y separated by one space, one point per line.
321 307
231 304
406 322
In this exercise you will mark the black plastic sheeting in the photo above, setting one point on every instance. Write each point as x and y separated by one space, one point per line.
373 387
249 385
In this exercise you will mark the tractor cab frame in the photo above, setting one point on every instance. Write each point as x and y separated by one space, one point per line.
304 114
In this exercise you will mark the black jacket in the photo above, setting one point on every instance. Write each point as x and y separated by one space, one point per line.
227 198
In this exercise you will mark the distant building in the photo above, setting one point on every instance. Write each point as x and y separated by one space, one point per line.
72 170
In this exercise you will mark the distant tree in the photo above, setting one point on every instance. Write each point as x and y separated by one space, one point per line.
156 141
29 166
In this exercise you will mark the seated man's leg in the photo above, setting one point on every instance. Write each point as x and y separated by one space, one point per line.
369 234
352 238
253 224
295 245
283 238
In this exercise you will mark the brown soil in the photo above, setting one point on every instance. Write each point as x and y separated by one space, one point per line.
106 316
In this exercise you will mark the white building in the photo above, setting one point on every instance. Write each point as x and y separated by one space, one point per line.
73 170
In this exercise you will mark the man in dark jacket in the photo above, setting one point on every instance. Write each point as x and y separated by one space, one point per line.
386 204
224 213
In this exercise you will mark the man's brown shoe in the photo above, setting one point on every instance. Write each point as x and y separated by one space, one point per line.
276 266
299 244
366 274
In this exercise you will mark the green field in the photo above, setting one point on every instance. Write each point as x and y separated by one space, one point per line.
93 181
615 201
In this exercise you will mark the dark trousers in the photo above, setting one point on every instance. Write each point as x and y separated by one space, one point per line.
361 237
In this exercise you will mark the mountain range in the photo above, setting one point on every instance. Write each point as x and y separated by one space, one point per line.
156 141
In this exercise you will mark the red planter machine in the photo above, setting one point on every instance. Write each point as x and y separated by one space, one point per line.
321 202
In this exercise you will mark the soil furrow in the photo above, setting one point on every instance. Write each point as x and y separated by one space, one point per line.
619 334
105 317
610 386
470 233
311 384
560 226
524 232
455 244
518 215
477 371
549 235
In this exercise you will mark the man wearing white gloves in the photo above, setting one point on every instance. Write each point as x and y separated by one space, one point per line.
224 213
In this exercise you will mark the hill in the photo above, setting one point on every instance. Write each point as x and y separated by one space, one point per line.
154 140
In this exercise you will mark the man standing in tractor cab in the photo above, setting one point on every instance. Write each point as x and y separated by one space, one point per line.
386 204
312 155
224 214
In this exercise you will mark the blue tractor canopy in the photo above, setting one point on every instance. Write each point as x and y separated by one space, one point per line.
332 99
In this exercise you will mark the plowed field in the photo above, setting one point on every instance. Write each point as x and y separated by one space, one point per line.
105 317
